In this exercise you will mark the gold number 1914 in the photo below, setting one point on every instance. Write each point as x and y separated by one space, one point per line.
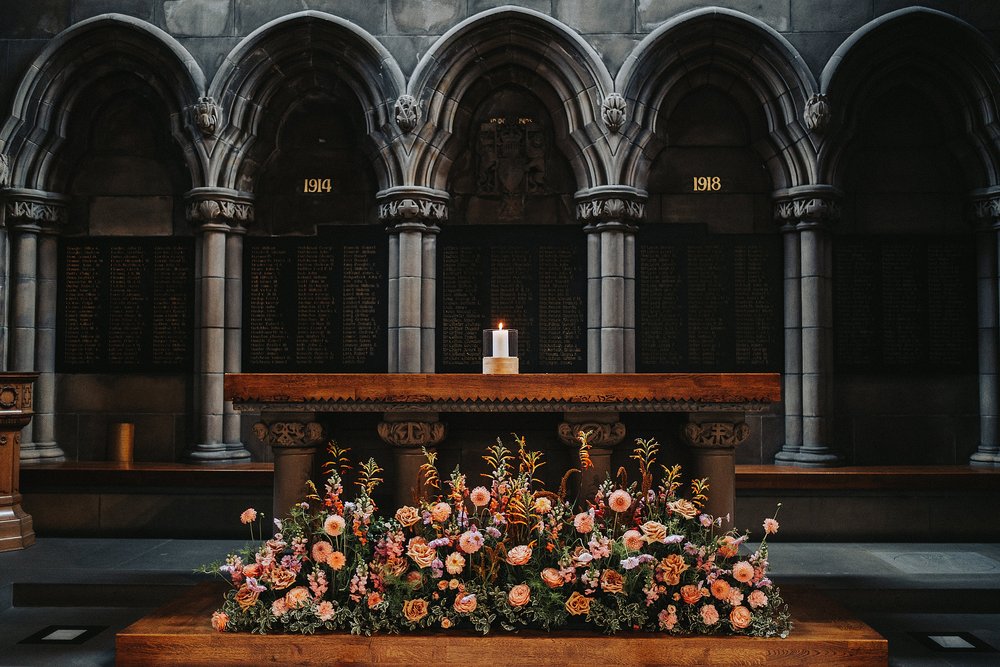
317 185
707 183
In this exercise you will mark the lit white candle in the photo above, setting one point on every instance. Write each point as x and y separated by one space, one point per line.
500 345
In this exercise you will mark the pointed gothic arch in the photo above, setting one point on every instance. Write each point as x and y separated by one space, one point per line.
510 46
309 51
730 51
68 68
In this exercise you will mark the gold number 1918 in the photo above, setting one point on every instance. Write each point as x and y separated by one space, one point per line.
707 183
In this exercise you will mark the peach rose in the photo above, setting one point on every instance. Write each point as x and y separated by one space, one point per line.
690 593
551 577
296 597
519 595
281 578
465 604
336 560
252 570
757 599
480 496
578 605
407 516
612 581
246 597
683 507
374 599
278 607
421 554
445 622
740 617
519 555
743 572
415 609
633 541
619 501
709 614
721 589
440 512
654 531
673 566
219 621
415 580
334 525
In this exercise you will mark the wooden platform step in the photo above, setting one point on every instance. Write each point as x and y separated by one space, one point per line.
180 633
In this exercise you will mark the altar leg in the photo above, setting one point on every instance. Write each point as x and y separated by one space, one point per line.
713 455
294 444
408 433
606 433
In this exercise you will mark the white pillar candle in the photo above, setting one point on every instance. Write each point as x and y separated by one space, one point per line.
500 346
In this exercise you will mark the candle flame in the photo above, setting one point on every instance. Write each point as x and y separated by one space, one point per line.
501 325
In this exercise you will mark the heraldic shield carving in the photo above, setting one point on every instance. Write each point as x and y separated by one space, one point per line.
511 162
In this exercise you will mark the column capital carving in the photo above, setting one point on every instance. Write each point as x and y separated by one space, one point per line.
289 433
4 170
34 209
610 204
807 205
716 434
984 208
402 205
412 433
207 207
602 436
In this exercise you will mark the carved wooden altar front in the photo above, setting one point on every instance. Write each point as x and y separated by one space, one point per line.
716 404
16 409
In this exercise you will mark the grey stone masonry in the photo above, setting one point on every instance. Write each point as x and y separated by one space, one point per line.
986 211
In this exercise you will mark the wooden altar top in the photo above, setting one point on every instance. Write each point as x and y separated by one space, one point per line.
528 392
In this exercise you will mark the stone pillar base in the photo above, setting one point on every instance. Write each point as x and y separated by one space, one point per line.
216 453
985 459
48 452
805 459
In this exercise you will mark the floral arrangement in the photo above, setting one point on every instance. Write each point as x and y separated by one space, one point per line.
505 553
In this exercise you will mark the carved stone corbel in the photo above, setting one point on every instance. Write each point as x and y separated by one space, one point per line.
604 436
411 433
716 434
289 434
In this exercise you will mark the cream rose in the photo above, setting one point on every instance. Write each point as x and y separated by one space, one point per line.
654 531
683 507
519 555
421 554
407 516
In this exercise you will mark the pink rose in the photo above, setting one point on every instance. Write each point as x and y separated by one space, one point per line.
519 555
519 595
709 614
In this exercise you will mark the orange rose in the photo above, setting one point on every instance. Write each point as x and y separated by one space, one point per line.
683 507
690 593
673 566
445 622
219 621
415 580
395 567
519 595
407 516
654 531
465 604
739 617
612 581
421 554
729 547
551 577
519 555
246 598
414 610
578 605
252 570
281 578
721 589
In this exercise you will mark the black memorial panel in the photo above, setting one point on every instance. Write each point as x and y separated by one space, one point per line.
316 304
125 305
708 302
904 303
532 279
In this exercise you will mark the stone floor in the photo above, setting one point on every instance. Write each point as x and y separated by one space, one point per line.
899 589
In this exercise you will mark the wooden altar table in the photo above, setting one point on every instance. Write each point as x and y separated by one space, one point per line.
715 403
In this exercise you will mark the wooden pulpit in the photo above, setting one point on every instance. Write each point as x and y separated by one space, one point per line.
16 531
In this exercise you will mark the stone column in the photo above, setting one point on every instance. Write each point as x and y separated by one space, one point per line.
792 377
412 214
610 215
812 209
407 433
606 433
986 211
33 218
234 334
215 211
712 440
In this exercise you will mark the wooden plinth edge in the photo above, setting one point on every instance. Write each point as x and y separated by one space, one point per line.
16 528
180 633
